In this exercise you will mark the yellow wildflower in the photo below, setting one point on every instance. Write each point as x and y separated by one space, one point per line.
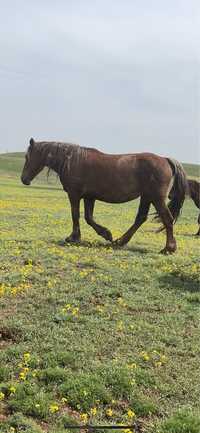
12 389
64 400
75 311
109 412
130 413
99 308
132 366
120 300
2 395
144 356
93 411
53 408
163 359
22 375
84 417
27 357
120 325
13 291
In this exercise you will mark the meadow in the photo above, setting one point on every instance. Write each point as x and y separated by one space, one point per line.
90 334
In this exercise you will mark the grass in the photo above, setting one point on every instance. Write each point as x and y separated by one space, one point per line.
92 333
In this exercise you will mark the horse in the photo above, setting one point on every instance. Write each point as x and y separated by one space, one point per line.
88 174
194 193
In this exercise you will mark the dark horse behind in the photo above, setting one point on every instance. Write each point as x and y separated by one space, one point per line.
91 175
194 193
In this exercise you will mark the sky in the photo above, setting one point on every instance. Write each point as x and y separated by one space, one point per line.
121 76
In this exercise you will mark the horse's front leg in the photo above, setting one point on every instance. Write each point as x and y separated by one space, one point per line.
75 212
89 209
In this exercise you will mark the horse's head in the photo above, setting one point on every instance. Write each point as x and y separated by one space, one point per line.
34 163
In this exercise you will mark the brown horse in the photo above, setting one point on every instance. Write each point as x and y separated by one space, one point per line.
194 193
91 175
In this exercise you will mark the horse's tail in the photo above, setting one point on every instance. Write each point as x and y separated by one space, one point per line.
179 188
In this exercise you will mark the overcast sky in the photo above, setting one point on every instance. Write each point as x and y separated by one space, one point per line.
117 75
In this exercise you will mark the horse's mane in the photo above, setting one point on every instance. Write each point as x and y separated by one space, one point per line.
64 156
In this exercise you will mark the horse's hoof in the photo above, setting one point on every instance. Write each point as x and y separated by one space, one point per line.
117 243
70 240
164 251
114 244
167 251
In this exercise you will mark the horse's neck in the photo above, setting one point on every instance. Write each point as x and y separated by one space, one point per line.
63 158
53 157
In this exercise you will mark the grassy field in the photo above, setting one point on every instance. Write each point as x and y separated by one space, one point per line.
89 334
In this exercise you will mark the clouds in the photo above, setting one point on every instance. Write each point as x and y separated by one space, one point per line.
119 76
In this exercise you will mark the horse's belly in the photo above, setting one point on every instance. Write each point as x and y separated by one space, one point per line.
116 197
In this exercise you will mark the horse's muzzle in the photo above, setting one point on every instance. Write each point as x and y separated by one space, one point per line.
25 181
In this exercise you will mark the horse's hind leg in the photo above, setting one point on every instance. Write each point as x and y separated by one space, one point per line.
139 220
167 219
102 231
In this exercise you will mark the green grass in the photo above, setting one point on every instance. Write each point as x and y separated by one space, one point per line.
116 330
192 170
11 162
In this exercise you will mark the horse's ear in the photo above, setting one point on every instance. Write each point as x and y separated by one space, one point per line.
31 142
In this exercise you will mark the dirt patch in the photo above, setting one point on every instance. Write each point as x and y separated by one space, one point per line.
44 426
9 335
3 418
67 410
